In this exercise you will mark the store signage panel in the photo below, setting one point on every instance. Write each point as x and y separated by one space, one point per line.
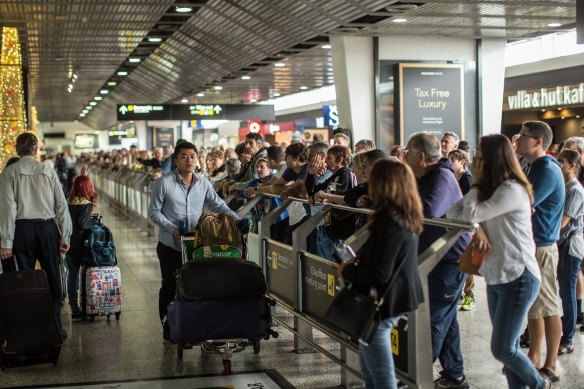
431 99
546 97
330 115
196 112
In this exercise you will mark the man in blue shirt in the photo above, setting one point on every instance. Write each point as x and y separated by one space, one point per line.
179 196
545 175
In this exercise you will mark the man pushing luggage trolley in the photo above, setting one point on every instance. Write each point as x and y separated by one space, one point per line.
179 196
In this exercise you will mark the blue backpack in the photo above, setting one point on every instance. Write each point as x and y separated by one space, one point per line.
101 250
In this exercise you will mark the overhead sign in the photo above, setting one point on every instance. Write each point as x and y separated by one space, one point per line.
546 97
195 112
330 115
431 99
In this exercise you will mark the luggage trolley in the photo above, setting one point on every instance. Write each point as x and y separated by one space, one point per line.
231 323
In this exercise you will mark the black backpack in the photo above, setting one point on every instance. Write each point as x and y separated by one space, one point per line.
101 250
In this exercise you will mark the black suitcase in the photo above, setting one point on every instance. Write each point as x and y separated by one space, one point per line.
219 279
202 320
29 331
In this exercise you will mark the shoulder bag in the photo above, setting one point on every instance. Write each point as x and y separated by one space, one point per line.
356 313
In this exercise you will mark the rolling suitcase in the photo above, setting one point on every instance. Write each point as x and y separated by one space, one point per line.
29 330
102 292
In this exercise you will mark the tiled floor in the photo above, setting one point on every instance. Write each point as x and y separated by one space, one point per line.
133 348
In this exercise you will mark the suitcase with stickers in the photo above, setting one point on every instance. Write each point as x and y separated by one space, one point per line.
102 292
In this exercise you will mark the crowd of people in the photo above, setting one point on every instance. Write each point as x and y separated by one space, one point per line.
529 204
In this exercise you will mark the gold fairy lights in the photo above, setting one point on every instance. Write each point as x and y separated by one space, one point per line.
12 112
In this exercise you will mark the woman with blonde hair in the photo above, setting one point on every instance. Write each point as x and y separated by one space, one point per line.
391 252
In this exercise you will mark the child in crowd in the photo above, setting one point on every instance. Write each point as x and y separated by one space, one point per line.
278 230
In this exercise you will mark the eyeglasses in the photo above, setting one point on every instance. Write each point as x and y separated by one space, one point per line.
528 136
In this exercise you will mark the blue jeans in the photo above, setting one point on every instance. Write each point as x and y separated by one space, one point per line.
325 245
445 284
508 306
376 360
73 265
568 268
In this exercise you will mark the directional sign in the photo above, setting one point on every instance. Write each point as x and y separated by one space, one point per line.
195 112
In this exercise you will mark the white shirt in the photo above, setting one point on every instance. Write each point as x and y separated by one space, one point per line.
29 189
506 218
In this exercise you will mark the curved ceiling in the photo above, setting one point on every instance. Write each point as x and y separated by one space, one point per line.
203 54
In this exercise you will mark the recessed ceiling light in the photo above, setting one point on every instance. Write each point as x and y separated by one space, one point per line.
326 46
200 94
253 101
543 110
93 103
88 107
183 9
104 91
122 74
399 20
112 83
184 101
85 111
97 98
303 87
276 94
563 117
554 24
134 60
154 39
577 116
82 115
75 76
245 77
218 87
559 109
279 64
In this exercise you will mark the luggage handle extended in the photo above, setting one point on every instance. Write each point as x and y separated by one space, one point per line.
15 264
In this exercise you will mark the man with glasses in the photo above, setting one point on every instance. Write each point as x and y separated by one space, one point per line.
545 175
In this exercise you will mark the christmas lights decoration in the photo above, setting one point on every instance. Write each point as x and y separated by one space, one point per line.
12 113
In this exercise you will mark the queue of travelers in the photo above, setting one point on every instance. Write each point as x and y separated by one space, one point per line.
510 187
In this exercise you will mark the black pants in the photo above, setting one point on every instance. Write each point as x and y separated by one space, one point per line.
40 240
170 260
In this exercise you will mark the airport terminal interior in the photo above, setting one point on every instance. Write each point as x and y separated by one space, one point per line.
115 84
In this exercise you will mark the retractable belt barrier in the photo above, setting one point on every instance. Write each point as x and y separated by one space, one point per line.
305 284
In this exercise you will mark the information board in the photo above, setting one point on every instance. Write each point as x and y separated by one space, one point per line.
163 136
282 272
320 285
431 99
195 112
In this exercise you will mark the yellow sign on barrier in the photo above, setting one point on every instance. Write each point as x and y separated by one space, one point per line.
331 285
275 260
395 341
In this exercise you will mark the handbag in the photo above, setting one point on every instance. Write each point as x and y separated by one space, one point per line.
466 264
355 313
